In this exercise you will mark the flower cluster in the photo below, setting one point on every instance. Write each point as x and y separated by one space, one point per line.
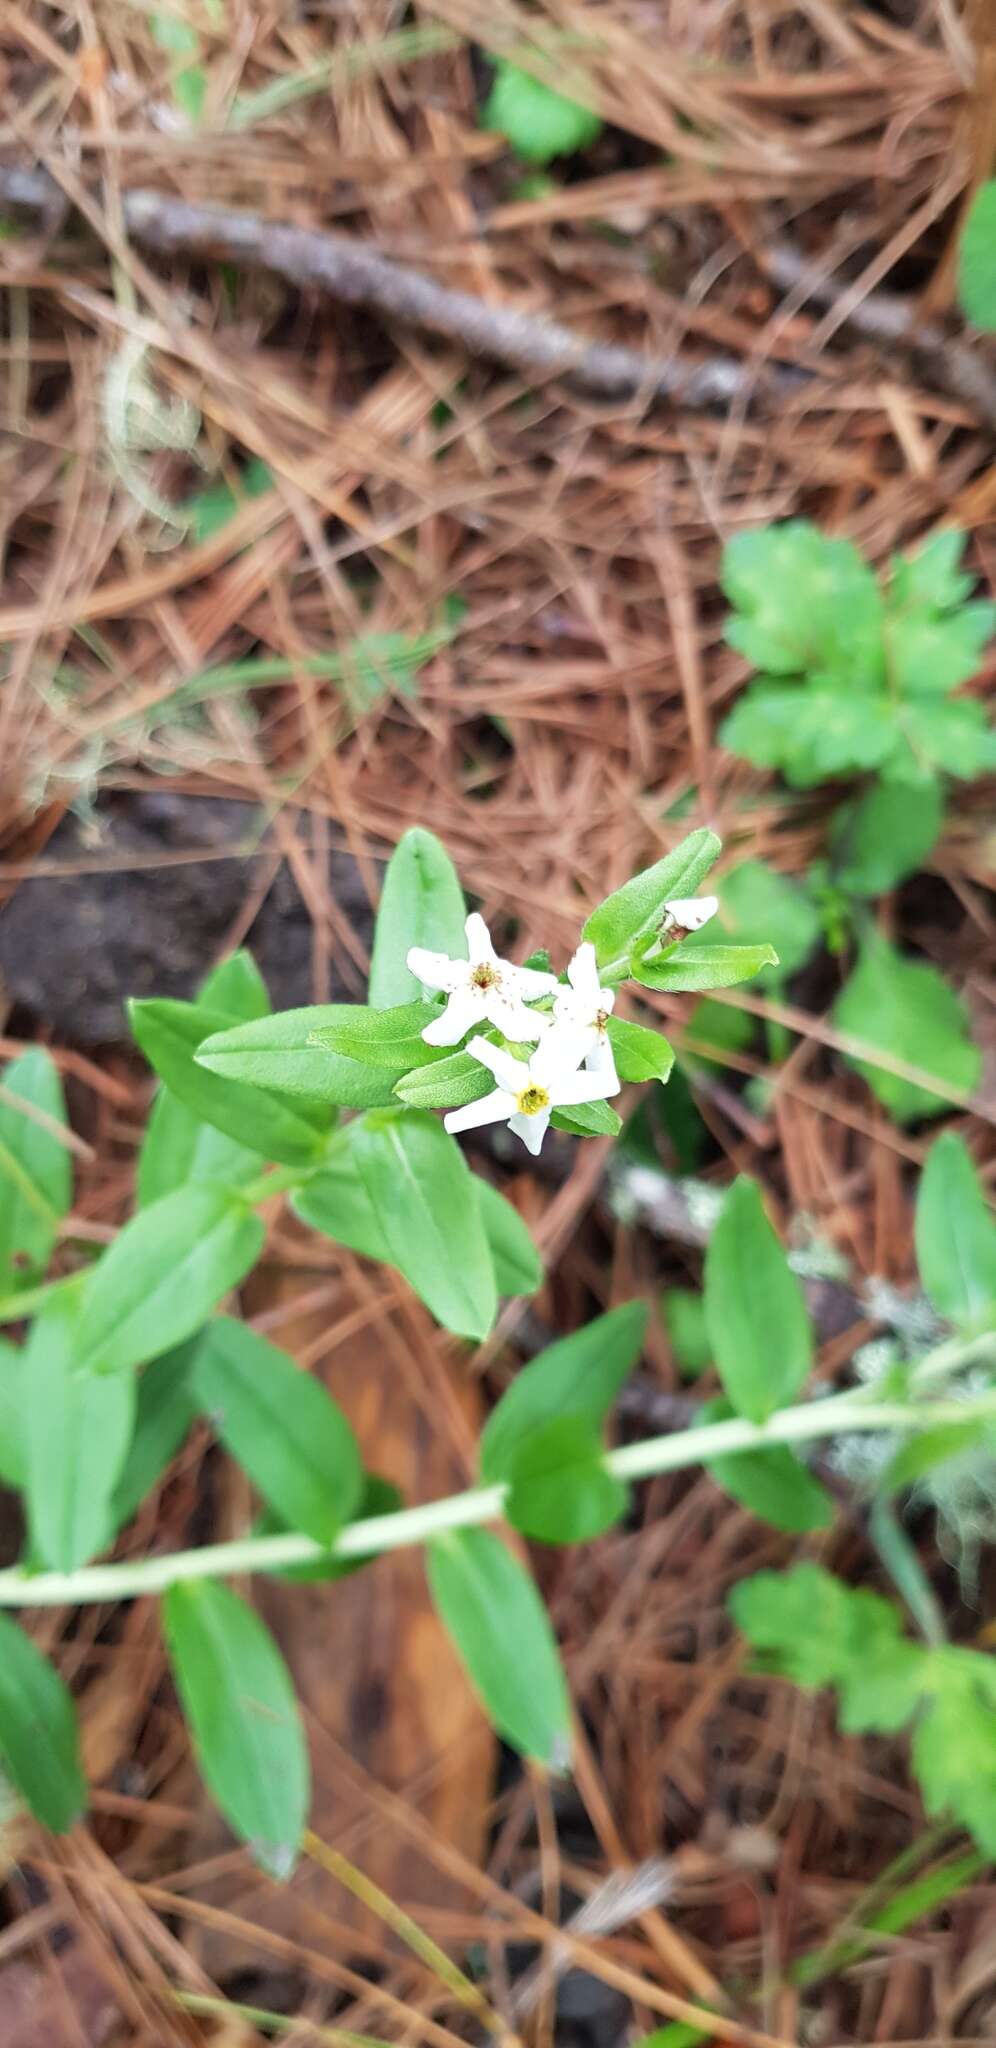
573 1062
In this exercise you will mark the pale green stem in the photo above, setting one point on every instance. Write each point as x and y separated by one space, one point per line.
841 1413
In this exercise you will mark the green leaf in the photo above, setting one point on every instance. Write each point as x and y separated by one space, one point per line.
36 1179
499 1626
39 1742
954 1744
335 1201
635 911
588 1120
932 577
537 122
810 1627
422 1194
686 966
211 509
281 1426
237 1696
236 987
517 1263
421 904
685 1321
580 1375
757 906
278 1053
807 602
930 653
77 1429
813 731
560 1490
640 1055
447 1084
755 1313
383 1038
12 1447
178 1147
929 1448
164 1412
905 1009
955 1234
977 260
162 1276
773 1483
171 1035
379 1497
179 1150
885 835
951 735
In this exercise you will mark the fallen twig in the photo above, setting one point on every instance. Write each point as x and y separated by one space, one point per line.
358 275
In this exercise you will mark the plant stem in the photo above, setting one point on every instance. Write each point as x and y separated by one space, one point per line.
841 1413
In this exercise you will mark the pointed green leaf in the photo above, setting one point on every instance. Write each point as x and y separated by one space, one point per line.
560 1489
171 1035
885 835
162 1276
446 1084
237 1696
640 1055
955 1234
36 1180
502 1634
755 1313
77 1429
178 1147
39 1742
517 1263
634 912
165 1409
12 1445
384 1038
278 1053
693 967
421 1191
772 1484
421 904
579 1375
281 1426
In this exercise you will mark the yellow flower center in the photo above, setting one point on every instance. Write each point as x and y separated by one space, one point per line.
484 976
602 1020
532 1100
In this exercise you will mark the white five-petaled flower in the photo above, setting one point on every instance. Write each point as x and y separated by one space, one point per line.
585 1007
687 914
530 1090
481 989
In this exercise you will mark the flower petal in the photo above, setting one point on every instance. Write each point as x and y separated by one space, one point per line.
479 945
462 1012
583 1087
508 1071
512 1019
582 973
560 1053
528 982
436 970
490 1109
531 1129
601 1060
692 912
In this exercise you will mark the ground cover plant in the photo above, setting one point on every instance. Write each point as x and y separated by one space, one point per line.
284 574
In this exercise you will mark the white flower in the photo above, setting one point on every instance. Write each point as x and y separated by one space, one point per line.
482 990
529 1090
687 914
586 1007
